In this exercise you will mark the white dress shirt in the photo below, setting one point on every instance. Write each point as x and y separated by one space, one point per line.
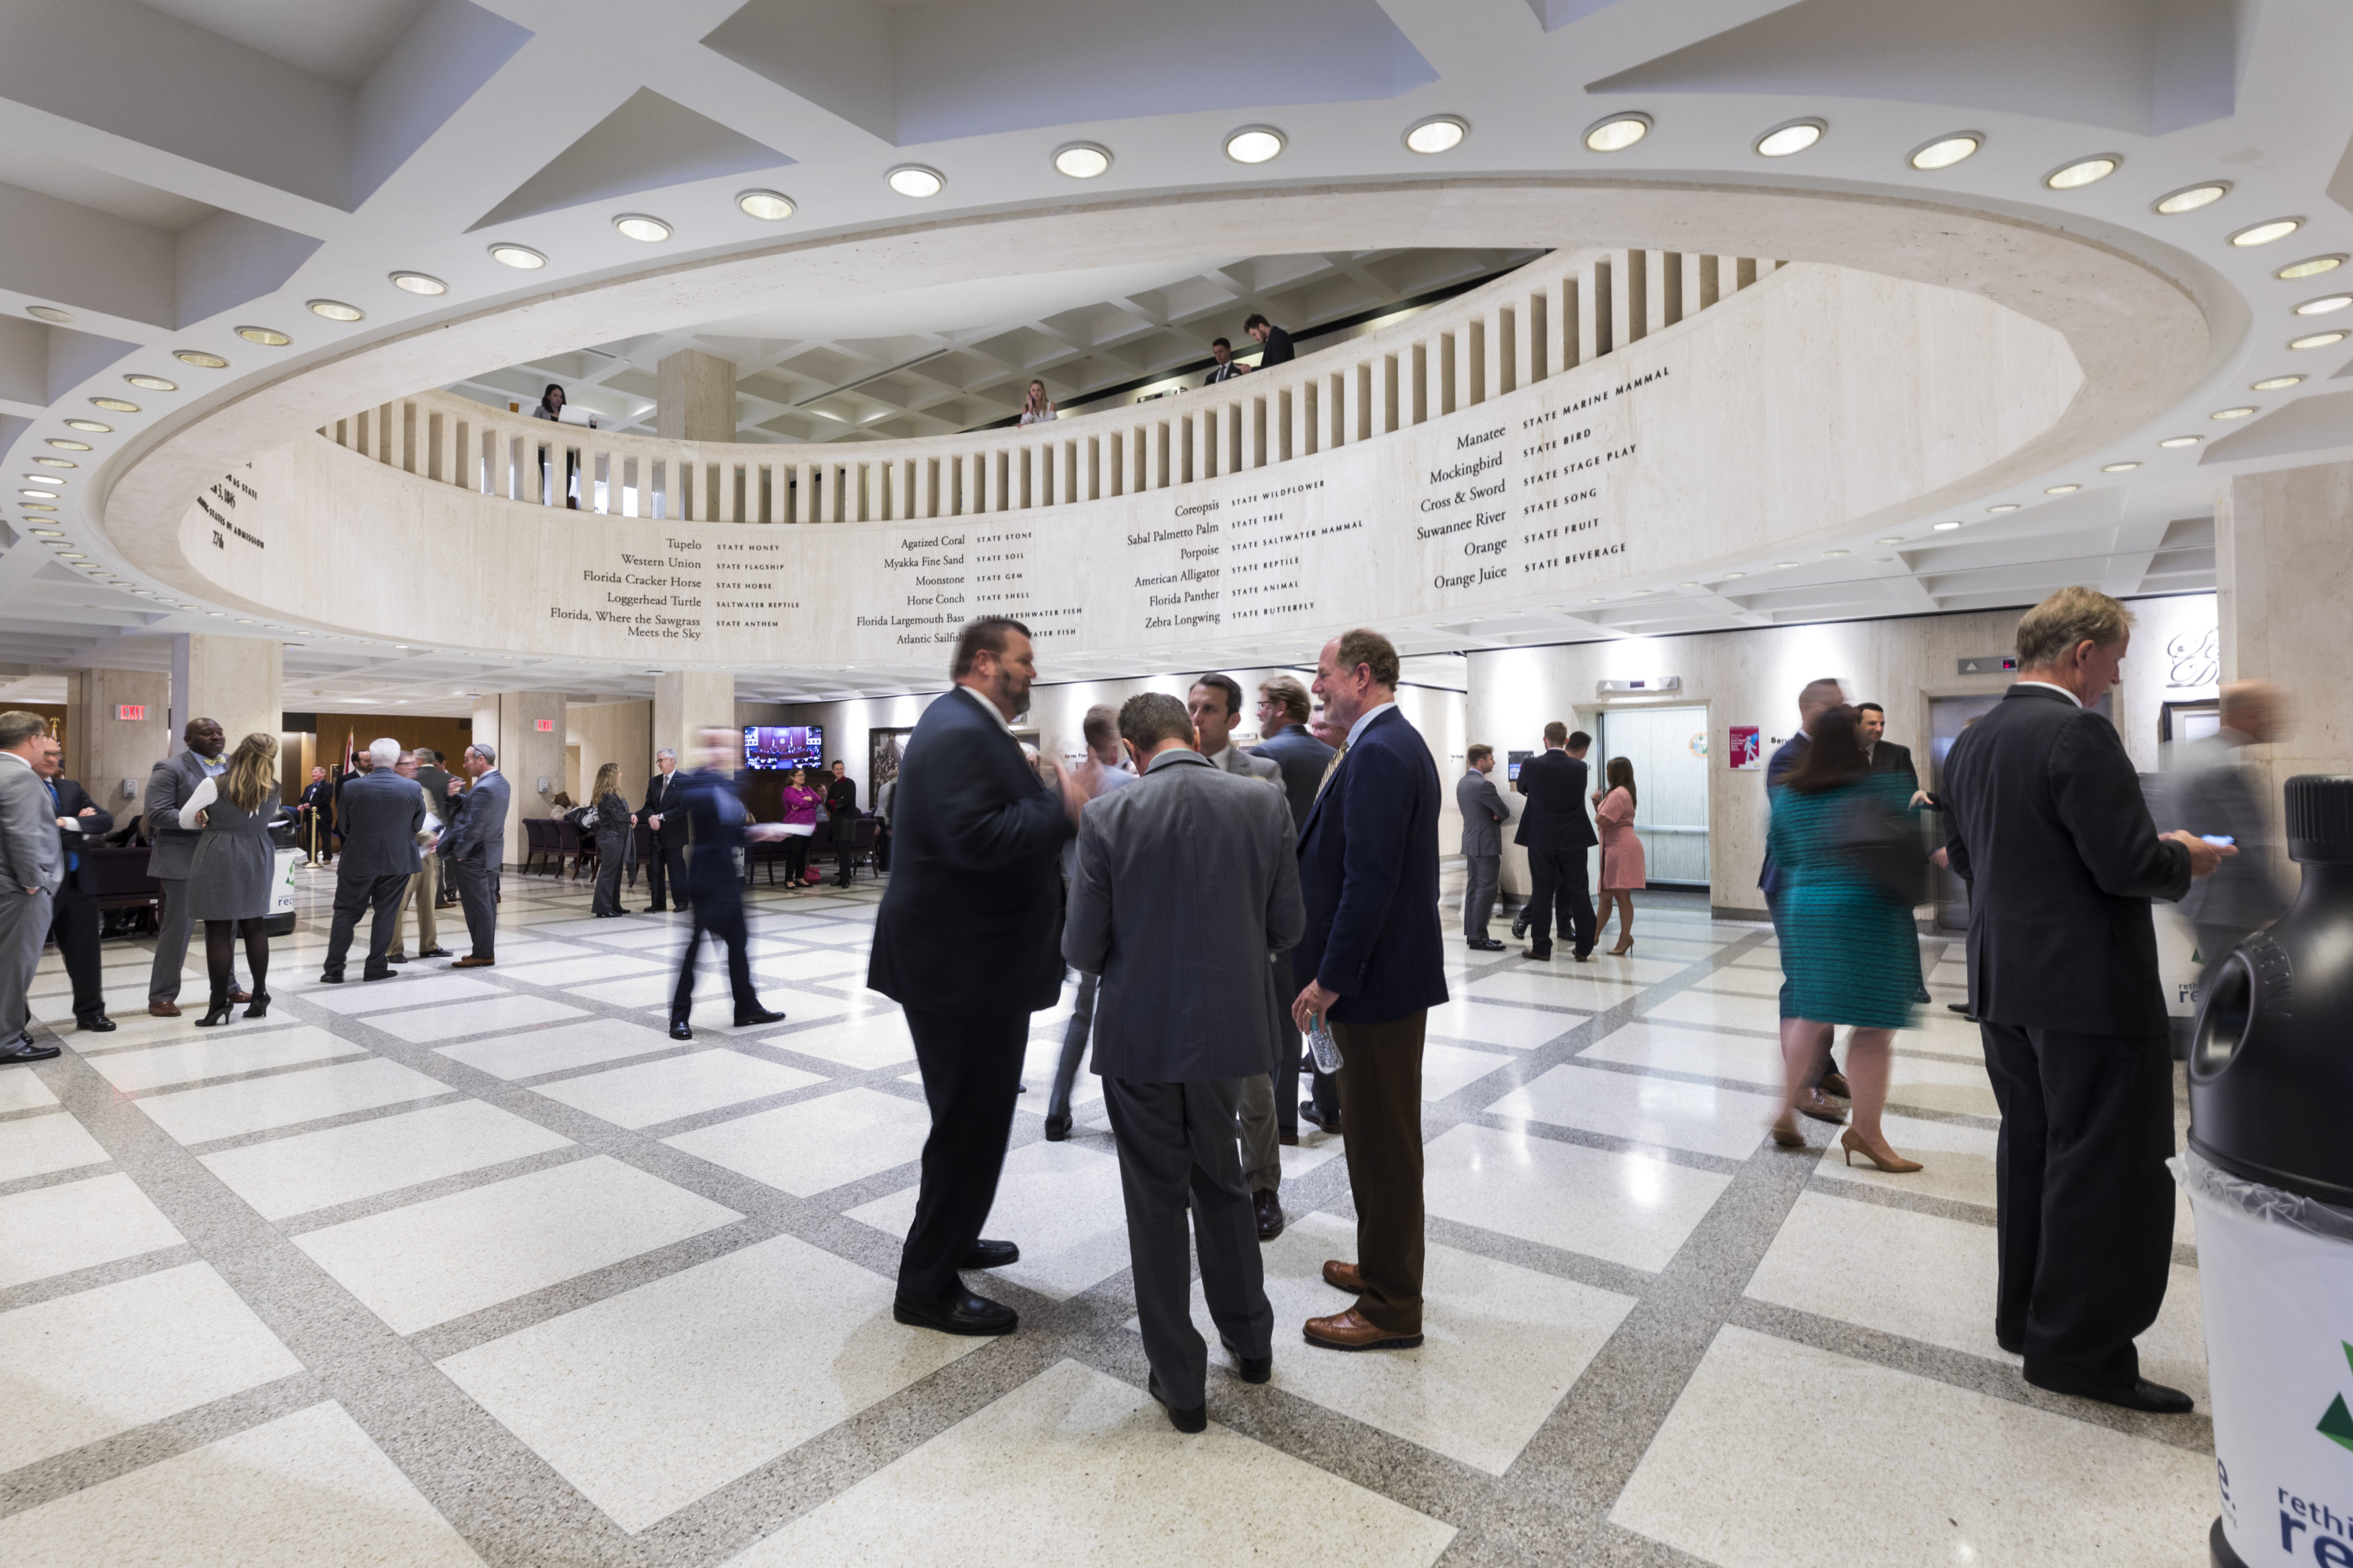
2059 690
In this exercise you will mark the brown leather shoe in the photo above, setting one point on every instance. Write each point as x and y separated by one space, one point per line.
1342 1277
239 998
1347 1332
470 961
1834 1082
1269 1210
163 1009
1814 1104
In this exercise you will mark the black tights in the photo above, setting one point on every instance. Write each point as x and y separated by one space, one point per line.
796 858
221 952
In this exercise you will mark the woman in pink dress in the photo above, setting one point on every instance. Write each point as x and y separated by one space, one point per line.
800 824
1621 852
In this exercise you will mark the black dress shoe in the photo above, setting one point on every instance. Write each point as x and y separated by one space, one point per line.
99 1023
1960 1007
1520 925
1196 1419
959 1312
331 977
1309 1114
397 957
435 953
1268 1209
1582 954
24 1051
1288 1140
757 1015
2138 1395
1058 1129
1253 1368
985 1254
1543 952
378 974
678 1031
1482 944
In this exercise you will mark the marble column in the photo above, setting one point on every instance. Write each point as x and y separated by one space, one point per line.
102 748
527 728
239 681
695 395
687 702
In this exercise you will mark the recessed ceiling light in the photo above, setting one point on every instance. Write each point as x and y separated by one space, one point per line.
2324 305
2264 233
48 533
1616 133
1999 508
217 615
2190 198
2274 382
419 283
202 359
2318 340
95 428
1686 584
2171 441
52 463
1783 565
336 311
2083 171
521 256
1946 151
1082 160
768 207
915 180
1729 574
1795 136
1255 144
114 404
1438 133
2061 489
38 505
2118 468
1897 539
152 384
39 495
73 556
1948 527
2238 413
49 313
2312 266
641 228
1833 554
63 445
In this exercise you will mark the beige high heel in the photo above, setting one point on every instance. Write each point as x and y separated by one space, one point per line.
1890 1162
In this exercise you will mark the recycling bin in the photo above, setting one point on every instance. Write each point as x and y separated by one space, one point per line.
2269 1171
285 856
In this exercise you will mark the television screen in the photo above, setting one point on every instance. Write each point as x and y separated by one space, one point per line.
784 746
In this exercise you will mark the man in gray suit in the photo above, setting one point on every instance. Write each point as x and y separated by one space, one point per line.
32 864
1215 704
2212 793
1185 882
474 846
171 781
381 814
1483 846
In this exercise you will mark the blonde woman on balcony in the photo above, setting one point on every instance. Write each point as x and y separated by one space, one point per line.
1036 407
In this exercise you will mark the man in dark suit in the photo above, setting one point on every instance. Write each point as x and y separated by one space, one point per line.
1278 349
2048 826
317 811
1816 697
666 871
1185 882
1226 368
381 813
715 829
841 821
1284 709
73 917
172 780
1883 755
969 942
474 846
1484 816
1555 832
1368 873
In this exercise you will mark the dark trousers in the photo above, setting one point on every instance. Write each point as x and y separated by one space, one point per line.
845 858
606 900
1484 875
1560 883
664 871
720 916
353 894
478 892
73 925
1176 1154
1380 1109
2083 1204
972 1071
1074 1046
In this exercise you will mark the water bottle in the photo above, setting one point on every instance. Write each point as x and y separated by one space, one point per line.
1325 1049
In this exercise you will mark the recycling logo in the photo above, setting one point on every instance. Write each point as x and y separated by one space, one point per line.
2337 1426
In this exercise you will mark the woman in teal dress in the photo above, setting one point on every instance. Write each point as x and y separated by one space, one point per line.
1848 948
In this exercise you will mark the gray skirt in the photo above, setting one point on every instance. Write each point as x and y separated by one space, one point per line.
234 873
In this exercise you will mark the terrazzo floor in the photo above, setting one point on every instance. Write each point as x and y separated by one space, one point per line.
483 1267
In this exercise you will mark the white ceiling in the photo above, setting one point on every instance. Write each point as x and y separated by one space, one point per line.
171 171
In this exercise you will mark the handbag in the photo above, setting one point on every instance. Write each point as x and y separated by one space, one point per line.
1885 848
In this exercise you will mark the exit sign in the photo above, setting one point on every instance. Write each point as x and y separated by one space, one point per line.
131 712
545 726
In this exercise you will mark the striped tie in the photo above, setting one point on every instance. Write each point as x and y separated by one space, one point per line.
1329 768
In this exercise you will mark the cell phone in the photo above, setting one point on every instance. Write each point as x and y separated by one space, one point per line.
2221 840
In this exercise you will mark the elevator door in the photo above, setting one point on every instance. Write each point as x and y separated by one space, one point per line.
1947 717
1668 747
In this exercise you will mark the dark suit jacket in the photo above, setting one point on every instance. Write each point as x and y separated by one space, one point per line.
841 809
479 832
381 813
1368 873
2050 828
71 798
318 799
1302 759
972 918
712 810
671 834
1777 768
1555 816
437 795
1887 757
1278 349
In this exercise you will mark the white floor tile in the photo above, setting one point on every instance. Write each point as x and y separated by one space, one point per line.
673 1087
580 971
22 1090
1740 1059
1060 1202
217 1053
816 1145
341 1164
862 1040
830 966
35 1146
281 1099
1084 1472
1930 1473
78 1224
1591 993
85 1366
537 1051
1628 1208
1679 1115
1640 966
441 1259
1737 982
407 988
506 1010
1717 1010
307 1491
649 1400
1956 1160
1445 1068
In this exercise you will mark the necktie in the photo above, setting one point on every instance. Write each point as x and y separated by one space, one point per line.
73 860
1329 768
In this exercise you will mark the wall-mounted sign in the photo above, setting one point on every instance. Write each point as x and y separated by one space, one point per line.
1746 753
545 726
2194 659
1649 686
1990 663
131 712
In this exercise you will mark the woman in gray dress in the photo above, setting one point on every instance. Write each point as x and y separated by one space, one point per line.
610 813
232 873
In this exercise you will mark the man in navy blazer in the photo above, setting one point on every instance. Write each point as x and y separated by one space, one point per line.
1368 873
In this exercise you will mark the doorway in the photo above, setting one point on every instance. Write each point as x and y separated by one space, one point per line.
1668 747
1947 717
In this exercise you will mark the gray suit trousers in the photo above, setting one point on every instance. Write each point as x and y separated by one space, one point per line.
24 927
172 928
1479 893
1074 1046
1176 1152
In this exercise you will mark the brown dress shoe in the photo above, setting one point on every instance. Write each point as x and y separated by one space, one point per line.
469 961
163 1009
1834 1082
239 998
1342 1277
1815 1104
1347 1332
1267 1209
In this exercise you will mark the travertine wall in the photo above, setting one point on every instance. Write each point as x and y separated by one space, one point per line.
103 750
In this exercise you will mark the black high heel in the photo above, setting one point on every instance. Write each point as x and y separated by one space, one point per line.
260 1008
216 1014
